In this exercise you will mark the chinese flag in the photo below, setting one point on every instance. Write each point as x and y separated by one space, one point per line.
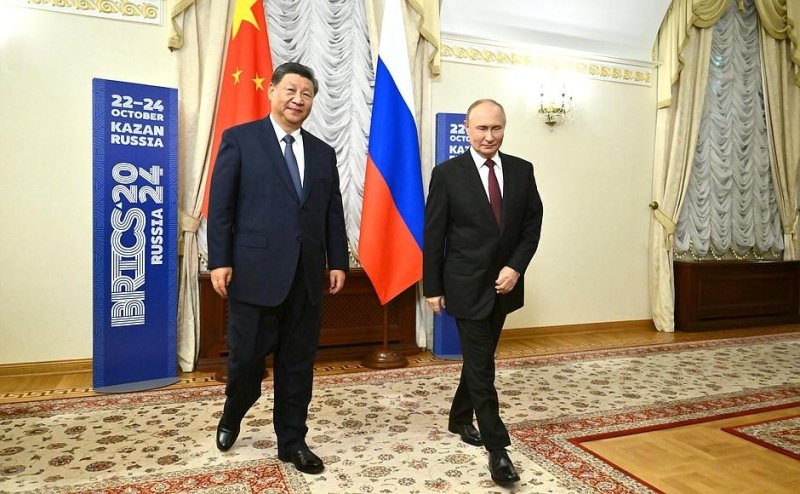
245 79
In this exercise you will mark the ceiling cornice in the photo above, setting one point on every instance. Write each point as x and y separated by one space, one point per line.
469 50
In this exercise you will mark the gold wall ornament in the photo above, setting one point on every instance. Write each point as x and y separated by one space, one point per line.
475 51
107 6
151 11
148 12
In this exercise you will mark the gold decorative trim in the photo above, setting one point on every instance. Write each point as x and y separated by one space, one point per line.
148 12
595 67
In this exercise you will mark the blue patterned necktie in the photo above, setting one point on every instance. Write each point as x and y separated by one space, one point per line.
291 164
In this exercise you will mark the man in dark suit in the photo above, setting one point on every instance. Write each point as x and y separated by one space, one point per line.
275 220
482 224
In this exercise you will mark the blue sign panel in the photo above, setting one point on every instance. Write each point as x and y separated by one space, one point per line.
135 147
451 136
446 342
451 141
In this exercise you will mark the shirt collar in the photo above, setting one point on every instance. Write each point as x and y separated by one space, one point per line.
280 133
480 160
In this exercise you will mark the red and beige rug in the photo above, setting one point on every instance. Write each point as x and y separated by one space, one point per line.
385 431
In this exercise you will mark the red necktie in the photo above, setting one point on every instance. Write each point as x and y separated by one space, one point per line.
495 198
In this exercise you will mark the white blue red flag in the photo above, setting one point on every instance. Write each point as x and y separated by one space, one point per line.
390 244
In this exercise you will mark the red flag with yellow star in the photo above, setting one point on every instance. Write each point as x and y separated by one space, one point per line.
245 80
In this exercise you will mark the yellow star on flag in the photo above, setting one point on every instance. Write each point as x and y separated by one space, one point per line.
259 82
236 75
247 56
243 12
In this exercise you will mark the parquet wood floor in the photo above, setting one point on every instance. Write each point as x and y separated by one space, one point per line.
695 459
702 458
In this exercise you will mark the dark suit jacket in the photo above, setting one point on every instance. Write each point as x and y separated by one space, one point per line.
259 227
463 248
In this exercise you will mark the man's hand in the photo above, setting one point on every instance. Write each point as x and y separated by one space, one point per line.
220 278
506 280
337 277
436 304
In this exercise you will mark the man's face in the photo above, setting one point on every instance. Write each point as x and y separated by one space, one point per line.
485 128
291 100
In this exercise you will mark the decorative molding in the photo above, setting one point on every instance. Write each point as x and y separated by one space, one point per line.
479 52
148 12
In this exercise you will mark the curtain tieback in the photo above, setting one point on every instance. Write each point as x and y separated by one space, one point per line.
189 223
668 224
790 229
175 41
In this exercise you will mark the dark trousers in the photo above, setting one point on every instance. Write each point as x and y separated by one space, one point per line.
290 332
476 392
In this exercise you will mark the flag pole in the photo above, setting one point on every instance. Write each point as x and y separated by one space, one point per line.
385 357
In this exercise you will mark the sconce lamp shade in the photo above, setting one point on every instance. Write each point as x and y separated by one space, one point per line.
556 112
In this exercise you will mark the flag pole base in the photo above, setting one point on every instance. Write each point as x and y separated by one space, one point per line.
384 358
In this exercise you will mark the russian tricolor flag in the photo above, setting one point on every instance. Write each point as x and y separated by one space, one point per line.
392 213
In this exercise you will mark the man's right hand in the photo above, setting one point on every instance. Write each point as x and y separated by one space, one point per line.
436 304
220 278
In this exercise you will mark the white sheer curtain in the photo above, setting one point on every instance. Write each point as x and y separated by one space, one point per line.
730 209
332 37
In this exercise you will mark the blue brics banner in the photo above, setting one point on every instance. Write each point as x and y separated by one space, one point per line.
135 148
451 141
451 136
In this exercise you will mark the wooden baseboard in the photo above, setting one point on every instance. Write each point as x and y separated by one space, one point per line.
54 367
85 365
522 333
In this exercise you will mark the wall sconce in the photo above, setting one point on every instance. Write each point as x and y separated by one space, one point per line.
556 112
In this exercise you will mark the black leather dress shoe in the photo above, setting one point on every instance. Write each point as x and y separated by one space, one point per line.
304 460
226 436
503 471
469 434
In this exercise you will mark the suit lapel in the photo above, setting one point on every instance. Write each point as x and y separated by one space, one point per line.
311 166
274 155
510 192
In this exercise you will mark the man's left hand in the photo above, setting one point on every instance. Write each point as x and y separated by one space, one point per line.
506 280
337 280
